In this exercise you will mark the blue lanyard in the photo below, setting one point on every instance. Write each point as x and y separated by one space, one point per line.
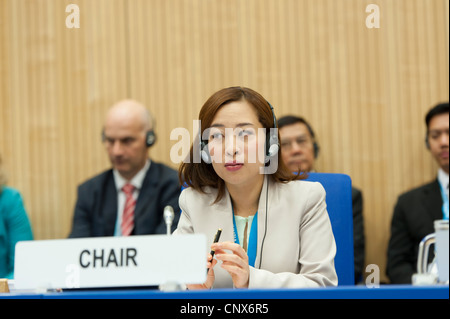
253 240
445 203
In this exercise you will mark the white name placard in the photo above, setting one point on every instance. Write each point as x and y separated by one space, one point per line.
110 262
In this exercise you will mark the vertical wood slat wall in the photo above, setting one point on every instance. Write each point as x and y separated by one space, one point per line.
365 91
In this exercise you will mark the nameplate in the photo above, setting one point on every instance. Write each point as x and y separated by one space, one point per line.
110 262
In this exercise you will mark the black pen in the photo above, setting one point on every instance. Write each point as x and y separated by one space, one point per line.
216 239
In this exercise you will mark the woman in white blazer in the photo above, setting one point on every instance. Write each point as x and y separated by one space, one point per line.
275 227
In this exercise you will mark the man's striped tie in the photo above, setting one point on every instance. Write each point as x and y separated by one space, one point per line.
128 211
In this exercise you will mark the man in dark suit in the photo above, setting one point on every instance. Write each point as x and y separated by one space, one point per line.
299 149
128 199
416 210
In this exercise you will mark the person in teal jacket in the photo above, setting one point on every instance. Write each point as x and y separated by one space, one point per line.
14 226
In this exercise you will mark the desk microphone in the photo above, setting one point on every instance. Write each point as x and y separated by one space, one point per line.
168 218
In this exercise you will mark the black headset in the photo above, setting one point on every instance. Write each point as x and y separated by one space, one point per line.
150 138
427 142
272 143
204 151
316 149
316 146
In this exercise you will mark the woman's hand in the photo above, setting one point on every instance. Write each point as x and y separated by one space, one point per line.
210 277
235 263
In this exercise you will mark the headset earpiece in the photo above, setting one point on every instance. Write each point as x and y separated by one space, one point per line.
150 138
427 142
316 149
273 147
272 143
204 152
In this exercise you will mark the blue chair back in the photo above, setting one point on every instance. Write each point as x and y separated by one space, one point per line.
339 206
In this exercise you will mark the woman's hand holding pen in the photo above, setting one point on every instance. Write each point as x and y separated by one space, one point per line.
210 263
236 262
210 277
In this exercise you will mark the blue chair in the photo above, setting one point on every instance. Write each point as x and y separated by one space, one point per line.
339 206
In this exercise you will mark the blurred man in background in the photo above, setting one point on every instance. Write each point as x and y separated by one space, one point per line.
417 209
299 150
129 198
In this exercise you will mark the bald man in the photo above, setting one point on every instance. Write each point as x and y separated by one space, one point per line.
129 198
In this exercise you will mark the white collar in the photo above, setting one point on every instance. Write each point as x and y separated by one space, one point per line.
136 181
443 178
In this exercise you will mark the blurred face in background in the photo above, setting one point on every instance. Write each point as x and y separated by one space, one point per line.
125 137
297 147
438 139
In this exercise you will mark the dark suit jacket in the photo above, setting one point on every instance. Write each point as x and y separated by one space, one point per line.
414 215
358 233
96 207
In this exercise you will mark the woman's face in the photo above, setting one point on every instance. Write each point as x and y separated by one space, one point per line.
236 141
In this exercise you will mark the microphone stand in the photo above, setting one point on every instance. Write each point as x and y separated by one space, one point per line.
168 219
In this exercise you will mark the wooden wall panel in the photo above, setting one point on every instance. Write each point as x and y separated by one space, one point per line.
365 91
